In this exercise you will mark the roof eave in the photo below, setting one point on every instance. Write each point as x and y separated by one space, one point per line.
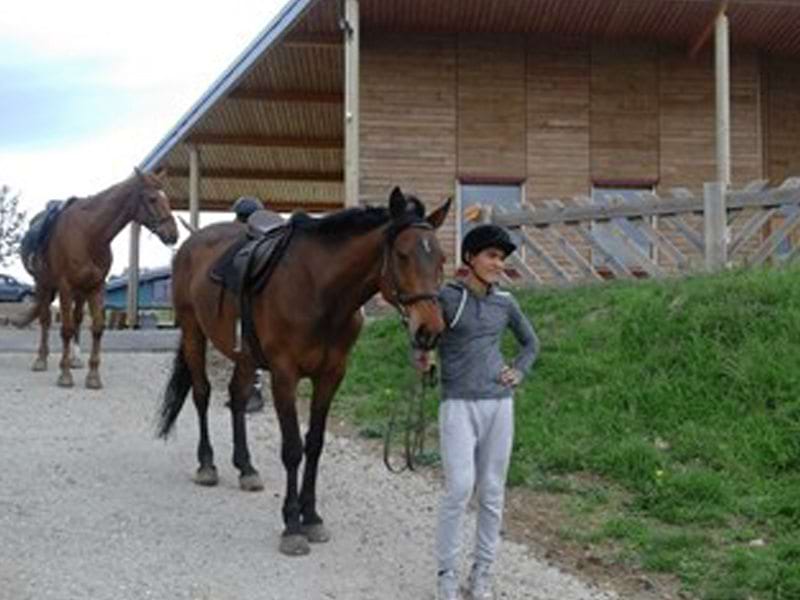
287 17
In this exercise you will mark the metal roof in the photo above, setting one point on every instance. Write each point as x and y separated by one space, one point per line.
271 125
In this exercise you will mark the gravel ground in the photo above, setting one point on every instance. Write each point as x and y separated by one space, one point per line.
93 507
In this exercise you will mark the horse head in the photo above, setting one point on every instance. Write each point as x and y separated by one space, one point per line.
413 267
152 207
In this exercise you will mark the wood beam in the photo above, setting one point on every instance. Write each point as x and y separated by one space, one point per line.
265 141
287 96
705 34
264 174
225 204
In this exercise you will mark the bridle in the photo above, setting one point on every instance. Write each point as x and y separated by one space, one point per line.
401 300
153 220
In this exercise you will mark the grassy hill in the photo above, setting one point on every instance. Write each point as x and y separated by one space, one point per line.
682 396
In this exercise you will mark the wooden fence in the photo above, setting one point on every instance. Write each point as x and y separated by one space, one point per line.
645 235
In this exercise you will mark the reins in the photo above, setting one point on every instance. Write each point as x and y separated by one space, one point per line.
415 425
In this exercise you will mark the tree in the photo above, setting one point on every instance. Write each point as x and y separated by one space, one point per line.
12 220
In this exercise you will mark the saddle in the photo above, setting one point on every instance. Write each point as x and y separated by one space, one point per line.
245 268
35 239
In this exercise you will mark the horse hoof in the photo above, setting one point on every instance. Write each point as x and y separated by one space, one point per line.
251 483
75 363
316 533
39 365
93 382
294 545
65 380
206 476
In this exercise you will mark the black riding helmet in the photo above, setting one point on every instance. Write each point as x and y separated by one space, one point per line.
487 236
246 206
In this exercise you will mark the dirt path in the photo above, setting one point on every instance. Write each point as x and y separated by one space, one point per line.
92 506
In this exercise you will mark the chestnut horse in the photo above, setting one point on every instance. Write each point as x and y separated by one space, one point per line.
307 318
77 257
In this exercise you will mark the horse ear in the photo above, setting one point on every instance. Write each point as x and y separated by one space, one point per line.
397 203
139 172
437 217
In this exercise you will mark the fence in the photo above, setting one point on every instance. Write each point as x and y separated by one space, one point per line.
645 235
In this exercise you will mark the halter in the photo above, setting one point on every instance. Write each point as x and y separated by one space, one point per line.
154 221
400 299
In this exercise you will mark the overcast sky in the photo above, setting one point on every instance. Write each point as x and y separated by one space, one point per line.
90 87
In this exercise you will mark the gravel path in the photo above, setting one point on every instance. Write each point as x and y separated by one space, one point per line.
93 507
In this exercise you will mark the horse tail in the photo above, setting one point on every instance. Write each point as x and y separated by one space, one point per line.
180 382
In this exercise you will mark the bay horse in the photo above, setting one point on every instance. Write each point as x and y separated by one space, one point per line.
307 317
76 258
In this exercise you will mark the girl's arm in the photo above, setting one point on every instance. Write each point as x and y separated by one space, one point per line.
525 335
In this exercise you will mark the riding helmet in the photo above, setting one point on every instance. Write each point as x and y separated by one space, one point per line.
487 236
246 206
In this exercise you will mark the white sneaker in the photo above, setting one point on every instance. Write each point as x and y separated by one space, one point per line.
480 582
447 586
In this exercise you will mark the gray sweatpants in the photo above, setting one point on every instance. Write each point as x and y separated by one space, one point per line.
475 438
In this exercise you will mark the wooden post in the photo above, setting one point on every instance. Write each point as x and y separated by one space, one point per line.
133 276
716 225
194 186
351 109
722 67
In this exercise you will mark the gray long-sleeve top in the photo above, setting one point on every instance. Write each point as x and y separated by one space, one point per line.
469 350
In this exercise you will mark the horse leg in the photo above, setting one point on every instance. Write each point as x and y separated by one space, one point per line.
284 386
239 389
75 361
194 350
45 318
67 333
93 381
325 387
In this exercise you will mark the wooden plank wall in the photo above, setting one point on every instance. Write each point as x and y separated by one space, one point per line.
624 111
558 119
408 119
782 119
560 113
491 106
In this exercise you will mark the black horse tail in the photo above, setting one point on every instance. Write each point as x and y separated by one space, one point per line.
180 382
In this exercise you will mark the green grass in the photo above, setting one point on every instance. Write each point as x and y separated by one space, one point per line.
685 394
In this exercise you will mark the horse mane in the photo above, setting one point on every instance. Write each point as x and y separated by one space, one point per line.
111 191
353 221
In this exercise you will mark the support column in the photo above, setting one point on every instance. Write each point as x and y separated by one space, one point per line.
716 226
722 67
351 109
194 186
133 276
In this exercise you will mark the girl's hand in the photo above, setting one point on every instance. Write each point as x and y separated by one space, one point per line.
510 377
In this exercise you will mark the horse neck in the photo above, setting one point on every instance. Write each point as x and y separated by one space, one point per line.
352 271
112 210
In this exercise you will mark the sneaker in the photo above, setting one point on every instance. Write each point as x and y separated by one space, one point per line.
447 586
480 582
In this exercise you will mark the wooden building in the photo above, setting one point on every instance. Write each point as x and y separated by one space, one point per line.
505 101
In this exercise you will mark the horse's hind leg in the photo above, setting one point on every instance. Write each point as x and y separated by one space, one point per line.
75 348
194 350
239 390
67 333
93 381
44 299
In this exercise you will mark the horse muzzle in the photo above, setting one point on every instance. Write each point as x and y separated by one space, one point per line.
167 232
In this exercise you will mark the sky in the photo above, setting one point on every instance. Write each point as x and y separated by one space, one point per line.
90 87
